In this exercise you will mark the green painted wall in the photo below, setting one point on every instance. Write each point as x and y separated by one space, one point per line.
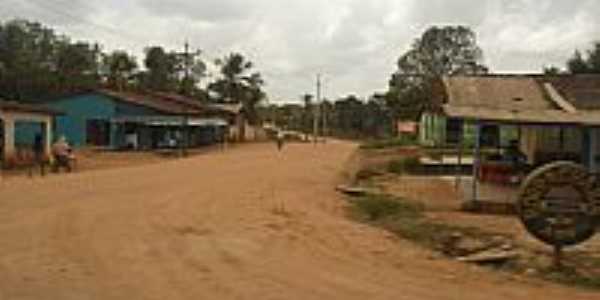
432 132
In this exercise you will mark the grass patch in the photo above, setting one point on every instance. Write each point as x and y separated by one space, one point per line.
405 165
405 218
572 277
389 143
381 207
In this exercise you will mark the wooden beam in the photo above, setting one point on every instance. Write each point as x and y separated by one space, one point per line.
460 155
476 162
558 99
9 137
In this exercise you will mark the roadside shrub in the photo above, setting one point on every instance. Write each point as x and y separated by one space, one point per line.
405 165
379 207
405 218
366 174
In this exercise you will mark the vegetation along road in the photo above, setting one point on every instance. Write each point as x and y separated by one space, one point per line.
249 223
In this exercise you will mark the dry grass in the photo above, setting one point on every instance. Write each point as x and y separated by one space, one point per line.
427 209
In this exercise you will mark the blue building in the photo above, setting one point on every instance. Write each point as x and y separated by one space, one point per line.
119 120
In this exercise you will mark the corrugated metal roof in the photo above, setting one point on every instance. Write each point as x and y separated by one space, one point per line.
174 104
522 98
583 91
523 117
27 108
153 102
505 92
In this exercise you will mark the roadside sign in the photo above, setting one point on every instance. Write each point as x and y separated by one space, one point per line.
559 204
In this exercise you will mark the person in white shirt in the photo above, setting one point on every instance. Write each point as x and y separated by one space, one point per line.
280 139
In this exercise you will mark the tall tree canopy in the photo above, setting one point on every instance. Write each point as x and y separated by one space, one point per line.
439 51
585 64
238 84
36 62
161 69
119 68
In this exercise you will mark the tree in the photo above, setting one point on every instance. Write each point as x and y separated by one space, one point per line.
162 67
577 64
590 64
449 50
192 70
552 70
119 68
77 65
238 84
36 63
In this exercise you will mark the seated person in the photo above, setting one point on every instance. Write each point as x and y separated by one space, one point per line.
515 155
63 154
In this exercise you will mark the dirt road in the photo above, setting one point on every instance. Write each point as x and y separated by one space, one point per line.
245 224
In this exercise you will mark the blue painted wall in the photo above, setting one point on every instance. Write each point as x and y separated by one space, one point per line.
79 109
25 133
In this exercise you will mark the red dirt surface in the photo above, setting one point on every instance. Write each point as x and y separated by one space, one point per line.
249 223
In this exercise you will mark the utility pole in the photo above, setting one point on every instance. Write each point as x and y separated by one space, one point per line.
316 111
185 134
324 114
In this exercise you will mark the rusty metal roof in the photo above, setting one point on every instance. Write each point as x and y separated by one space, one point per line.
521 98
155 102
13 106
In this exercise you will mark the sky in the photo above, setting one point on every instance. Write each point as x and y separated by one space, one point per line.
354 43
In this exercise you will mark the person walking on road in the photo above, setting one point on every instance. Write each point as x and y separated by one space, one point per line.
39 155
280 138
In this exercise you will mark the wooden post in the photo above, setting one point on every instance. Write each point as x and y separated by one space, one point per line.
588 144
9 138
476 161
460 154
592 149
48 138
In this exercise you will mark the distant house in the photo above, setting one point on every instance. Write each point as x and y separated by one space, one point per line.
551 117
15 117
120 120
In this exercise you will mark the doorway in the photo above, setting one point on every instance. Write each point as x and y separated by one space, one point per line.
98 133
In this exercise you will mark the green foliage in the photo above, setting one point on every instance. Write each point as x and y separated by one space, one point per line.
162 69
588 64
405 165
570 276
552 70
405 218
239 83
35 62
119 68
379 207
439 51
348 117
389 143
